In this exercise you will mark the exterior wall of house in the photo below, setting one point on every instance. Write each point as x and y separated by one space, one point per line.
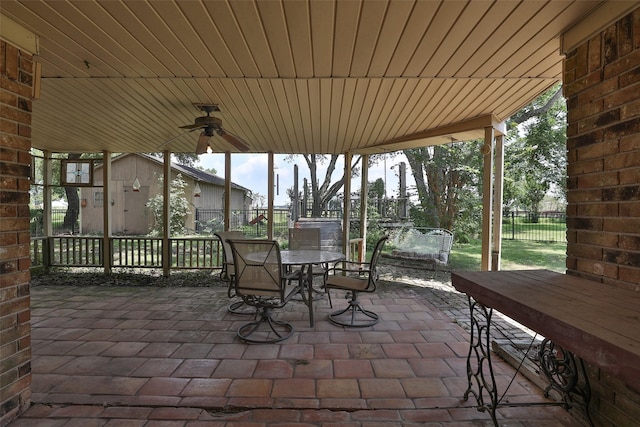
212 197
15 160
602 87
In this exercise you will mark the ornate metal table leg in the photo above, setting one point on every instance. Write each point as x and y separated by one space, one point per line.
567 376
480 351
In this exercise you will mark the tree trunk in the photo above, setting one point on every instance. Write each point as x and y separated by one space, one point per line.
439 182
73 202
322 193
418 159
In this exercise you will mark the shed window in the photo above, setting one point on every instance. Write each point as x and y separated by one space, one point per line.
98 197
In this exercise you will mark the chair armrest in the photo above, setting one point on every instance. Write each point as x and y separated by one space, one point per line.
349 264
350 267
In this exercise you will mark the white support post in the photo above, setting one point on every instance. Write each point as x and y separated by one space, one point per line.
364 201
346 204
270 194
227 191
487 195
47 220
107 216
166 211
47 223
497 203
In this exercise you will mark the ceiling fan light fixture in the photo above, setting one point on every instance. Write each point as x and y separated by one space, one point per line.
210 126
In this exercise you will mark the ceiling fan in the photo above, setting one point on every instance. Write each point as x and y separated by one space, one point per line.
210 126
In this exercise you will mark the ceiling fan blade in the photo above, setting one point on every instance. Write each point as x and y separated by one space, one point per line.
203 143
233 140
193 126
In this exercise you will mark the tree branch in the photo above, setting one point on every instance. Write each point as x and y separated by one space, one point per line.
525 114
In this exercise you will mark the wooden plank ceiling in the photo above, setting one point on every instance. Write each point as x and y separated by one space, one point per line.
289 76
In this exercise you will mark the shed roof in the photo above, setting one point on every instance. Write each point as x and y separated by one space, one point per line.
196 174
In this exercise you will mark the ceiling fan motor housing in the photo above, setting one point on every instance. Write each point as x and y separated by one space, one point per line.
206 121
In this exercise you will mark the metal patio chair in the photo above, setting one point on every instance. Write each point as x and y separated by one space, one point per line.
228 270
354 277
308 238
262 282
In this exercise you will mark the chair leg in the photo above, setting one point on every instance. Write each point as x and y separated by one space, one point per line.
356 316
237 307
231 292
276 330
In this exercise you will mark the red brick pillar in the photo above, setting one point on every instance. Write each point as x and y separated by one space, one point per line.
602 87
15 160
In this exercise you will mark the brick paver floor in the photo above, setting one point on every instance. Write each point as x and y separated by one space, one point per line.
169 356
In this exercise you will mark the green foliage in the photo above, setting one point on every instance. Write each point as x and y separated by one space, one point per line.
178 205
187 159
211 226
535 152
449 177
36 223
375 229
376 189
448 180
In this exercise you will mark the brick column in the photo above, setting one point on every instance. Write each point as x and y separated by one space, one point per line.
602 87
15 161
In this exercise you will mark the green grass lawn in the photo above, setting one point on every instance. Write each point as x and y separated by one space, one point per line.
516 255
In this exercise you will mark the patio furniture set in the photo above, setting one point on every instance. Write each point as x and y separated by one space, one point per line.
265 278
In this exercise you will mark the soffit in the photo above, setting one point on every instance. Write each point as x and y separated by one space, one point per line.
289 76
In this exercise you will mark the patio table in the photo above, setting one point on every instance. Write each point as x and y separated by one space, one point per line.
309 258
580 319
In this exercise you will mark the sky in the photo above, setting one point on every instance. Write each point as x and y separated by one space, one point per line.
250 171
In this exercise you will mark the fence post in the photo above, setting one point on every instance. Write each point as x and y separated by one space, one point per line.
47 253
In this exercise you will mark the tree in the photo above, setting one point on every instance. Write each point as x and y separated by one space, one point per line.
322 193
447 180
178 206
188 159
258 200
535 156
73 201
212 171
376 189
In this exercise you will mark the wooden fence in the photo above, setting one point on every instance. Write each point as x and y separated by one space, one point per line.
125 252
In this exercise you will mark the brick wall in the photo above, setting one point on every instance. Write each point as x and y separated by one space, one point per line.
602 87
15 142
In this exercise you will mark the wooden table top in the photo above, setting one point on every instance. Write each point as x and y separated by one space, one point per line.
598 322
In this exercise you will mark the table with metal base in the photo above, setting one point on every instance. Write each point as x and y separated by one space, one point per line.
309 258
581 320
